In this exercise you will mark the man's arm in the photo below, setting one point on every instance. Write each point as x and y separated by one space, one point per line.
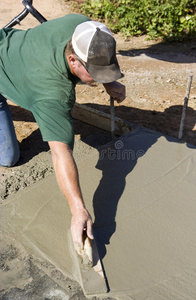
68 180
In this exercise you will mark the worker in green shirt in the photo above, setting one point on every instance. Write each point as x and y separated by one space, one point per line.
39 69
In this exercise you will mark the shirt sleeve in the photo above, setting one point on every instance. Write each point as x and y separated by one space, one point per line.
54 120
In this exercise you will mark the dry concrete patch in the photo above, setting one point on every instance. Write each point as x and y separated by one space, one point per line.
140 190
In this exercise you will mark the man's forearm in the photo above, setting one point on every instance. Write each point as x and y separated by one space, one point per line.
68 180
67 175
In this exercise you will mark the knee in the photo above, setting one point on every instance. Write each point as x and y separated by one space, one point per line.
10 158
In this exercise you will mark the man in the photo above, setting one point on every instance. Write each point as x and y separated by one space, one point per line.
39 69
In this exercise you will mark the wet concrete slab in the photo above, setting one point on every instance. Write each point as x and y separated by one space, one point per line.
140 190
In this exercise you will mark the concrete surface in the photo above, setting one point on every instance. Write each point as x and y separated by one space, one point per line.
140 190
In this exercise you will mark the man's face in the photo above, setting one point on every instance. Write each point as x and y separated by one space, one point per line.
78 69
82 73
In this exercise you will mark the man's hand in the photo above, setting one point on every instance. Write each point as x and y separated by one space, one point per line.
116 90
81 220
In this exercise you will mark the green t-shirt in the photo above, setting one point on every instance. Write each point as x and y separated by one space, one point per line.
34 74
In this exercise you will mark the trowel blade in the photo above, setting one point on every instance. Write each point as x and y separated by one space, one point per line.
90 268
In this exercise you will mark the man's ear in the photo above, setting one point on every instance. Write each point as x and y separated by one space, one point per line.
72 61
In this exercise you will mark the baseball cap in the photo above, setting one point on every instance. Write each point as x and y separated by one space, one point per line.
94 43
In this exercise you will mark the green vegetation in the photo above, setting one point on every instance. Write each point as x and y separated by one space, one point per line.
169 19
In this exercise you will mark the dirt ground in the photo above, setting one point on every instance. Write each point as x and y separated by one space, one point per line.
155 76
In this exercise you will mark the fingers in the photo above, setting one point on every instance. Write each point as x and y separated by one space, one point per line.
81 222
116 90
89 230
77 238
119 97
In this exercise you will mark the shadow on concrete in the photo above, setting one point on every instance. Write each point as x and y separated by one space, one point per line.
120 157
177 52
116 162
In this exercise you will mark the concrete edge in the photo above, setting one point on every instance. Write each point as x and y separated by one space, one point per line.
100 119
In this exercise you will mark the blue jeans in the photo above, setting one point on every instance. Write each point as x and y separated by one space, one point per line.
9 148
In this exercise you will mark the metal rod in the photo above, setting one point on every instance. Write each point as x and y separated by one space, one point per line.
17 19
112 117
185 106
33 11
28 9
